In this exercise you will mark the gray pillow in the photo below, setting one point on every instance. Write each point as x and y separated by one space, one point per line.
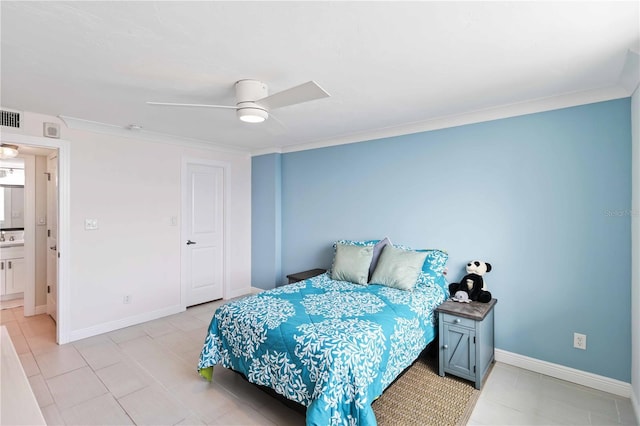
398 268
377 250
351 263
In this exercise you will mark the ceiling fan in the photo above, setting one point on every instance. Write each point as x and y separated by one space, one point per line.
253 101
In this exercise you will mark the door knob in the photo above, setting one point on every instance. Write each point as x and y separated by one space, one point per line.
189 242
445 347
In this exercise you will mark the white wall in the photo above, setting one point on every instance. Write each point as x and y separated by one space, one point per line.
635 253
132 187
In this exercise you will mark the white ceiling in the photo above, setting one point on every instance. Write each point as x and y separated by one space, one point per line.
385 64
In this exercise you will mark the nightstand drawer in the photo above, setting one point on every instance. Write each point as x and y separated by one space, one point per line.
456 320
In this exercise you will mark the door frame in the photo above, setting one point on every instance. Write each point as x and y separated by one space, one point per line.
64 229
50 158
29 234
226 168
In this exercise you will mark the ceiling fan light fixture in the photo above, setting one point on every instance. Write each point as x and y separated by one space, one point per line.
253 101
8 151
252 115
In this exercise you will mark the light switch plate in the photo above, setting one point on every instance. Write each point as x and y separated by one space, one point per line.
90 224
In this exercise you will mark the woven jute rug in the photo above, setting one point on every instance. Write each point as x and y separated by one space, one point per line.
421 397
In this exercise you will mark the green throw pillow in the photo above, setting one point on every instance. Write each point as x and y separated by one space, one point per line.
398 268
352 263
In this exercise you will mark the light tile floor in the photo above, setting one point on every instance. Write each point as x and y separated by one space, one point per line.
146 375
514 396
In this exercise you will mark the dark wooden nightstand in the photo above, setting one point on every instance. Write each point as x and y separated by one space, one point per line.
466 339
300 276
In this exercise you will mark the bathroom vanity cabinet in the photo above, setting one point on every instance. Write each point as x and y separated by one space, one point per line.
12 270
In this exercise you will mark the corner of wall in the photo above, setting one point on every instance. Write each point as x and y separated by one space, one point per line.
635 252
266 230
278 218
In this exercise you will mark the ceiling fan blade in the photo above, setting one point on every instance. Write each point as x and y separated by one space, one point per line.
276 126
191 105
305 92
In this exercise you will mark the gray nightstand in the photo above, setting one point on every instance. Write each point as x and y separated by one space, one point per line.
466 339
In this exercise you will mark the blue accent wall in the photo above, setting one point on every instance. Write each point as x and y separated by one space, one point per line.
266 233
543 197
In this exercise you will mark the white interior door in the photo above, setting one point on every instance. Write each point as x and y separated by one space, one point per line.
52 235
203 226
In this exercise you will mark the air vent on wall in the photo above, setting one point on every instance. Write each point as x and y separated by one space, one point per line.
9 118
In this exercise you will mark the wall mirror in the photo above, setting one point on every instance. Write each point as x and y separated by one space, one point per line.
12 215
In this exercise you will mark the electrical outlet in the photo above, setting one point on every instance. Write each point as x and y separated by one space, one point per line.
580 341
126 299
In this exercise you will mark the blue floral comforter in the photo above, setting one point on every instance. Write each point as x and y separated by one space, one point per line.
332 346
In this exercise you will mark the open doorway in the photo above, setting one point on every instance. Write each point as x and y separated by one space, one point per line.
31 209
46 228
12 265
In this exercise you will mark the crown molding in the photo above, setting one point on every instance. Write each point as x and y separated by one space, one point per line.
141 134
630 74
489 114
265 151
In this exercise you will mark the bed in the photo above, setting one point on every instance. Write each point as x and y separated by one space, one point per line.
332 345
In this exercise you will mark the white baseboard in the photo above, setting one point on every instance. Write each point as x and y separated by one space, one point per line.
569 374
255 290
40 309
635 402
122 323
239 292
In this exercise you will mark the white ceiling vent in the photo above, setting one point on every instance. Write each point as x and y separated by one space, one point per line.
9 118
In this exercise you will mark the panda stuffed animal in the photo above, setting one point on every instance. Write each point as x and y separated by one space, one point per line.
473 283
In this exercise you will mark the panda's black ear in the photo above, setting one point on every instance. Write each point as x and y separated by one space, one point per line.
488 266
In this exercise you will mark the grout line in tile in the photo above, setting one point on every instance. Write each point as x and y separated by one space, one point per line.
518 379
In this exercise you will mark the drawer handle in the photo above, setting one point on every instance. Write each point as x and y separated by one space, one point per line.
445 347
457 320
9 264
